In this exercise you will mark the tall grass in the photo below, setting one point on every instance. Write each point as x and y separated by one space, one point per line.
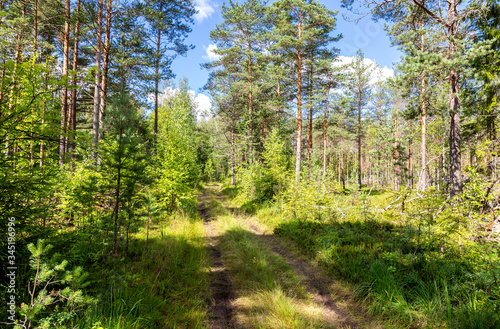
269 292
414 269
165 285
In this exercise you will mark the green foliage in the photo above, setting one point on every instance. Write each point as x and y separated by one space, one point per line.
165 286
52 305
177 156
423 265
263 181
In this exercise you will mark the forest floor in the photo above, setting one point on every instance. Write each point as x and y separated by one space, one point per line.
259 281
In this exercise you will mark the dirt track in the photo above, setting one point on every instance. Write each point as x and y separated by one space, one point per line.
318 285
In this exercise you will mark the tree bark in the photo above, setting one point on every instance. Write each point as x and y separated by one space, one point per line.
233 182
73 90
395 160
157 81
359 133
325 124
299 103
105 65
35 27
309 118
64 101
454 105
117 201
250 106
424 178
410 162
95 123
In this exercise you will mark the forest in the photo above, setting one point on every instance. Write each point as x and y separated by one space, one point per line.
317 192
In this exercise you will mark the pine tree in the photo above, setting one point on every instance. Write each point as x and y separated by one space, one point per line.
360 74
454 21
170 23
123 157
298 26
241 37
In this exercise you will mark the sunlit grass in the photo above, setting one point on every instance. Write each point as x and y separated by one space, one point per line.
165 285
269 292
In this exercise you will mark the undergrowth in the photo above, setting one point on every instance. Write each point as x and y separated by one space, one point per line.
415 262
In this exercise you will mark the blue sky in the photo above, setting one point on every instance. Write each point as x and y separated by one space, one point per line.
366 35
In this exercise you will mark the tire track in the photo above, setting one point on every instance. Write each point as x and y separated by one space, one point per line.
314 281
222 295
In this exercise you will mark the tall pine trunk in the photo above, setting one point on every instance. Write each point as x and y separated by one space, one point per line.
299 104
309 118
105 65
359 134
250 105
233 181
454 106
64 101
95 123
157 79
73 90
424 177
325 122
117 198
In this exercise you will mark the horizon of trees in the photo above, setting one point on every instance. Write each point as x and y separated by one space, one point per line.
399 137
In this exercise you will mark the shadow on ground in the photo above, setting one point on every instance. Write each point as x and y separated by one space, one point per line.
400 269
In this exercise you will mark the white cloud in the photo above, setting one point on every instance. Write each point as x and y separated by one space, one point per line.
204 8
382 74
209 51
386 73
203 108
202 101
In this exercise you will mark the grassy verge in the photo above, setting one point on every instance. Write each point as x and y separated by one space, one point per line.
163 285
411 268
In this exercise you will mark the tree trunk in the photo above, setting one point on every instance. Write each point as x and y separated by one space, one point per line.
73 91
325 123
64 101
95 123
157 80
395 160
359 134
35 27
278 93
44 109
309 119
2 84
299 104
232 159
250 106
105 65
454 106
117 195
424 178
410 162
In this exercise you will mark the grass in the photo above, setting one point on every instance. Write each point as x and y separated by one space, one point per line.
270 294
413 268
164 287
408 268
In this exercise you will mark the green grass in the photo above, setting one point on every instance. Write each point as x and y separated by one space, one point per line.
411 268
410 282
269 292
165 285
